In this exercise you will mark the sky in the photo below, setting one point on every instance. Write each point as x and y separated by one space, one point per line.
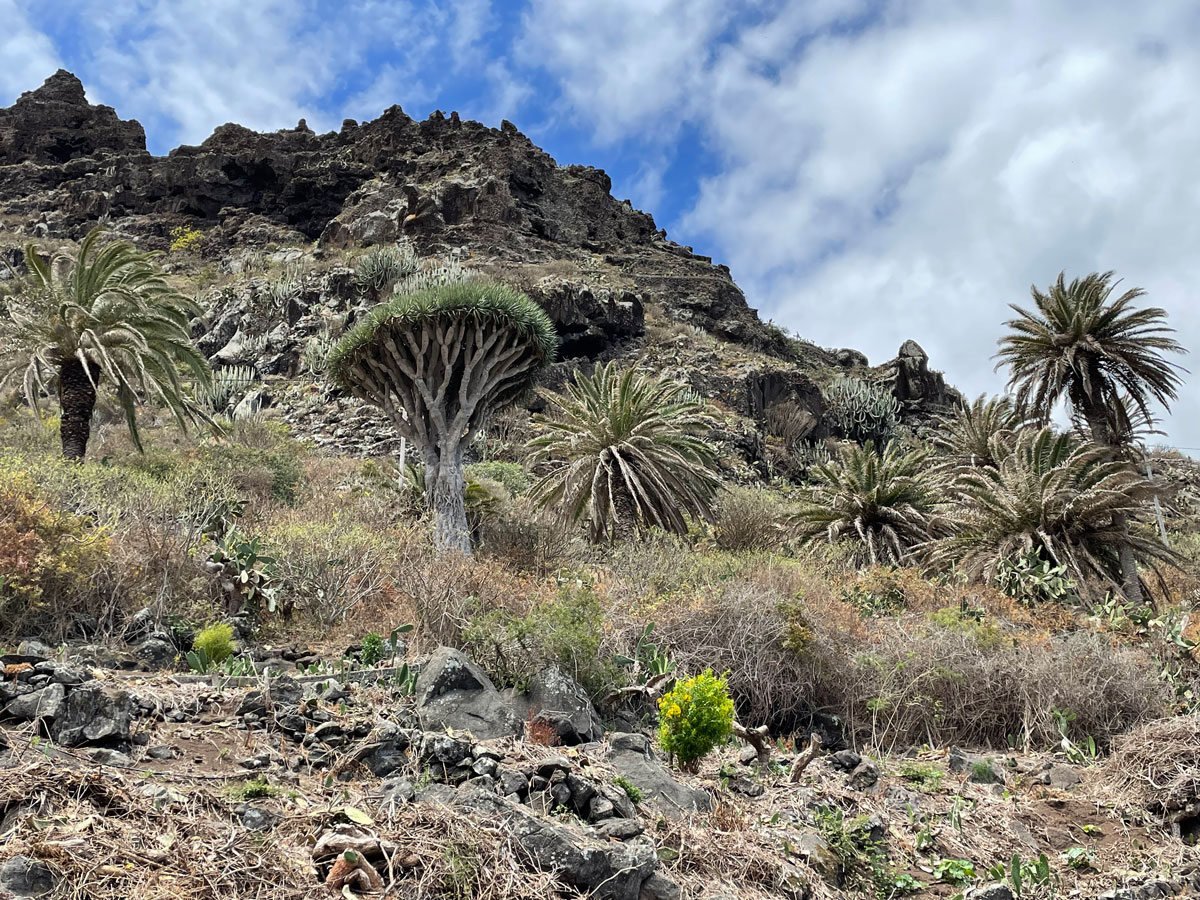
870 170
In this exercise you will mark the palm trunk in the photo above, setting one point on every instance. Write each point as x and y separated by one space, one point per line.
1131 581
444 486
77 398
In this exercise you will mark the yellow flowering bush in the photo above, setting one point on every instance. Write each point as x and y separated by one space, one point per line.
695 716
184 237
45 554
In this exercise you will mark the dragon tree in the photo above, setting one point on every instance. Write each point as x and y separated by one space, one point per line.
439 362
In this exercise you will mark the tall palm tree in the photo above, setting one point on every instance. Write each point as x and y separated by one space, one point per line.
1104 357
1046 492
632 453
882 503
105 313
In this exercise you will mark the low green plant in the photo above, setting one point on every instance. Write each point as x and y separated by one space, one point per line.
1079 857
256 789
647 662
512 475
907 884
1031 579
694 717
954 871
632 791
926 776
246 573
372 649
215 642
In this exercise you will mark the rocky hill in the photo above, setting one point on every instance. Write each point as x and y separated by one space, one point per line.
278 217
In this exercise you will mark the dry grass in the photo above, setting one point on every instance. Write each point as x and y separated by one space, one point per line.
1158 766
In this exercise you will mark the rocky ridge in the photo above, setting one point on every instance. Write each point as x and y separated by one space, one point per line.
276 216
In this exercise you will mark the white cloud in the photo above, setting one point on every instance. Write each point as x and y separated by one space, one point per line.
907 170
28 55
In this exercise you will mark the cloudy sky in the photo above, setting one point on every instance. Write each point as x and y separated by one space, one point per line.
870 170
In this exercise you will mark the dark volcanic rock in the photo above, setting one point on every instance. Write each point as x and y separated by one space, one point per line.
55 124
453 692
444 182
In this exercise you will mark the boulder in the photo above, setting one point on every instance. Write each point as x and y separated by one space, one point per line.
454 693
283 694
633 757
95 713
604 871
978 769
558 700
26 877
47 703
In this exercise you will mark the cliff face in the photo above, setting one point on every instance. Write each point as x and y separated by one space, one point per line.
453 188
444 182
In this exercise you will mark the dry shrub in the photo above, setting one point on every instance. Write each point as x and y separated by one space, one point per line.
446 591
1158 766
530 539
917 682
769 621
749 519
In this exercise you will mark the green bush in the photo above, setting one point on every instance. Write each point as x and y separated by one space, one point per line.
695 716
216 642
372 649
566 632
512 475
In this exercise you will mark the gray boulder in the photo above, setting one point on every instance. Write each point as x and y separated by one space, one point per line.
558 700
606 871
47 703
454 693
26 877
95 713
633 757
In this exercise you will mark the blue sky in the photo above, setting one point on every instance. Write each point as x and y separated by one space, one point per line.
871 170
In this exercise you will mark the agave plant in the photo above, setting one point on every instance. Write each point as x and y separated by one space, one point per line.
1051 494
632 454
104 314
883 504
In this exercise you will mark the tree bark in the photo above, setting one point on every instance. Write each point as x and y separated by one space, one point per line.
77 398
1131 581
444 487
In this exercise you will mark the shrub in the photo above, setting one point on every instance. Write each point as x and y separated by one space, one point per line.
184 238
529 538
216 642
567 631
749 519
372 649
512 475
862 411
329 567
632 791
47 557
694 717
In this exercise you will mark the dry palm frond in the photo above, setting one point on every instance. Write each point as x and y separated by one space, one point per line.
965 437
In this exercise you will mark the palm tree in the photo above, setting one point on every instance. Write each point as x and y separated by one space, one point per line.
1104 357
104 313
965 437
883 503
1046 492
633 453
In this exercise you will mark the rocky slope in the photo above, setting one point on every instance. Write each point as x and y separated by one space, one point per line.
297 205
441 785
